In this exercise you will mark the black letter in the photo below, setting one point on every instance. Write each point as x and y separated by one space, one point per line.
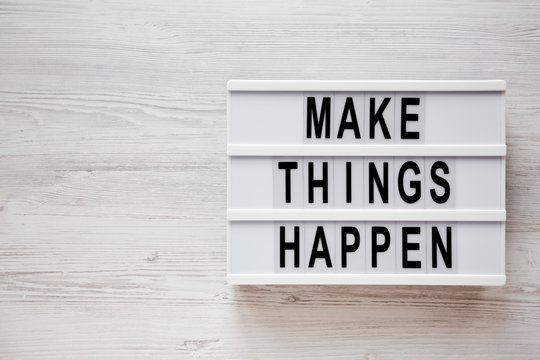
287 166
349 108
378 230
408 117
318 183
346 230
324 253
406 246
348 184
295 245
409 199
374 176
318 121
377 117
445 253
441 182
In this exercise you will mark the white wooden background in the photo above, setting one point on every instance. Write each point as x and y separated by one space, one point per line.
113 178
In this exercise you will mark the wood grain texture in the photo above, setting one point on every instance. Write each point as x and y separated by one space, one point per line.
113 178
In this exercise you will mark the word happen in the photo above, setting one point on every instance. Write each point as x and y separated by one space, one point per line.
380 240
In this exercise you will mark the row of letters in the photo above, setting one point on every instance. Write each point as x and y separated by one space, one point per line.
365 247
358 118
364 182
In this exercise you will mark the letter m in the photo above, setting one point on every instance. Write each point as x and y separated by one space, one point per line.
318 121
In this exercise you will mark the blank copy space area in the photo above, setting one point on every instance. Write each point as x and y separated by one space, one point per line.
252 247
478 183
266 117
251 183
480 248
464 118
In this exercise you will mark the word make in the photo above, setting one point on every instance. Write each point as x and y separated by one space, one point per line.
377 121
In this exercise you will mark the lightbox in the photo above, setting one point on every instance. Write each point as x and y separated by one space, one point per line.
366 182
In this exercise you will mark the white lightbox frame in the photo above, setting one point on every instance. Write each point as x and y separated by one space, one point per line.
405 215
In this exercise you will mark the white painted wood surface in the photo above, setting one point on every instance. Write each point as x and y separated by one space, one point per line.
113 180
